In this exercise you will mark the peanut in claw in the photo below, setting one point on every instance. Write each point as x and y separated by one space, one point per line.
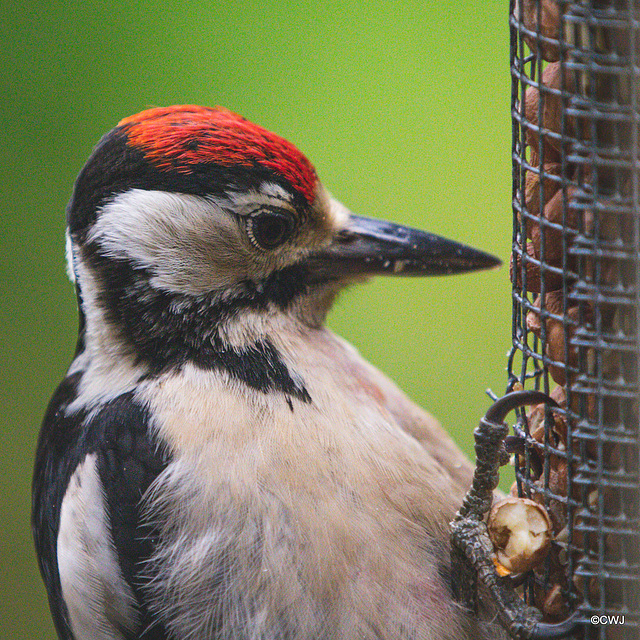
520 530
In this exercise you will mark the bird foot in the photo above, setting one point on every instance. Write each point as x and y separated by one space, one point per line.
472 550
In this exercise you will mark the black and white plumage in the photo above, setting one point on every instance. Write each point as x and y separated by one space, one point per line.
217 464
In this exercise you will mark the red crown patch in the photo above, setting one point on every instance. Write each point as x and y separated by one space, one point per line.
181 136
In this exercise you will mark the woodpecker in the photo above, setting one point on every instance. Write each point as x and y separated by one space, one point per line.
217 464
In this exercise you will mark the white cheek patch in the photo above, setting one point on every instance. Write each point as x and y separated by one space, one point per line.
71 272
189 244
108 370
195 246
98 600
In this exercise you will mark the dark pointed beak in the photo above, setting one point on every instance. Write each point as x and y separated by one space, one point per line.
370 247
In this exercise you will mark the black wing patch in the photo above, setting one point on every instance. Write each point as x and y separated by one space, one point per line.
57 455
128 462
129 459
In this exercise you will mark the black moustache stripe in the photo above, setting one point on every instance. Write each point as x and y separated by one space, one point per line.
165 330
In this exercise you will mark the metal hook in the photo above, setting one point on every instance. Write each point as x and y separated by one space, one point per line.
499 410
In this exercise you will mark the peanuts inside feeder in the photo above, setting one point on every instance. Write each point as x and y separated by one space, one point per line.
575 273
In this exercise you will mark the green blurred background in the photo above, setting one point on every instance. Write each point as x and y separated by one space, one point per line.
403 108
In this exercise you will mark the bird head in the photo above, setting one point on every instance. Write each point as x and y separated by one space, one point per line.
186 216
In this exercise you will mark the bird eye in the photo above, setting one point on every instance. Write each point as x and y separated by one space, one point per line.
269 229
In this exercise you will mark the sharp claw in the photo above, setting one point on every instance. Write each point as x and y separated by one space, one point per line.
499 410
469 536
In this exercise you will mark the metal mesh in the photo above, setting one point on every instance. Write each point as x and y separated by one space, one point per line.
576 299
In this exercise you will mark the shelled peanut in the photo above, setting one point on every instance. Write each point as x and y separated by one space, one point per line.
520 530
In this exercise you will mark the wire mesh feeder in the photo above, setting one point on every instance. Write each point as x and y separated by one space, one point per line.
576 301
